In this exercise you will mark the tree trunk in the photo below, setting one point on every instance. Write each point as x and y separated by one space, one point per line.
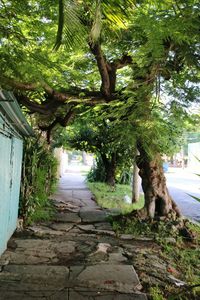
158 202
136 181
110 168
110 175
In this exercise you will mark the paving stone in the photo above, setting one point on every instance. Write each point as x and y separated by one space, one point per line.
42 231
88 227
4 259
75 271
65 248
101 295
92 229
32 251
11 244
88 203
92 216
122 278
18 295
36 292
105 232
53 275
68 217
62 226
76 230
83 195
126 237
61 195
67 206
101 253
117 257
141 247
103 247
20 258
35 251
103 226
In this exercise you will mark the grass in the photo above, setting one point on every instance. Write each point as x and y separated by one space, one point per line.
43 212
108 197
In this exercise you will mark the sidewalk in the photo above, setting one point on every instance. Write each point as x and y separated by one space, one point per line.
75 257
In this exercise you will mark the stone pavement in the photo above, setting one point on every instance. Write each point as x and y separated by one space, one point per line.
75 257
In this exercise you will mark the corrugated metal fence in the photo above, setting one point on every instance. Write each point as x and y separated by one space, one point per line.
10 172
13 127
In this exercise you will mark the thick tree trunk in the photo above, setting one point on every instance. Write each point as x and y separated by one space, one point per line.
110 175
110 168
136 181
158 202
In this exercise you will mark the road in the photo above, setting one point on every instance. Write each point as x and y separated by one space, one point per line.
181 183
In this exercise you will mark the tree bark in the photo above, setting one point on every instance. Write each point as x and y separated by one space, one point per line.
110 175
110 168
136 180
103 70
158 201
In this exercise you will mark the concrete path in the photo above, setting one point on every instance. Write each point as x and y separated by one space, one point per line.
75 257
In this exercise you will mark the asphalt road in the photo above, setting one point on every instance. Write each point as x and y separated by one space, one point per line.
181 183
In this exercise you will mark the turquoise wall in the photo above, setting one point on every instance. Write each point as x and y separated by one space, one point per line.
10 174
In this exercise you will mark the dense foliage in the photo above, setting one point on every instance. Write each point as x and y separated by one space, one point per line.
39 179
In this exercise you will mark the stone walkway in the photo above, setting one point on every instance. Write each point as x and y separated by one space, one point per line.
75 257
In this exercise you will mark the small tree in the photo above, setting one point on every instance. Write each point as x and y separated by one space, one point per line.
104 139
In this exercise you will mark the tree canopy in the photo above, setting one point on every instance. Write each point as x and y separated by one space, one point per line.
136 61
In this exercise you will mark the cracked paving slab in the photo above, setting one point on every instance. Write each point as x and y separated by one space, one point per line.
68 217
121 278
48 275
36 251
93 216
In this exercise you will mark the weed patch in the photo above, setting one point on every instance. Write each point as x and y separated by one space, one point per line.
38 182
173 270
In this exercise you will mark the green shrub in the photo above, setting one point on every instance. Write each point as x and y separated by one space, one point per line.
124 176
38 181
97 172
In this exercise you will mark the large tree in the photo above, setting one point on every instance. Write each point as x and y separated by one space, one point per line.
155 49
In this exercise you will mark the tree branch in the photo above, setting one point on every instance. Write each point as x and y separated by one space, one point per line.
58 96
58 120
122 62
102 66
43 108
108 70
